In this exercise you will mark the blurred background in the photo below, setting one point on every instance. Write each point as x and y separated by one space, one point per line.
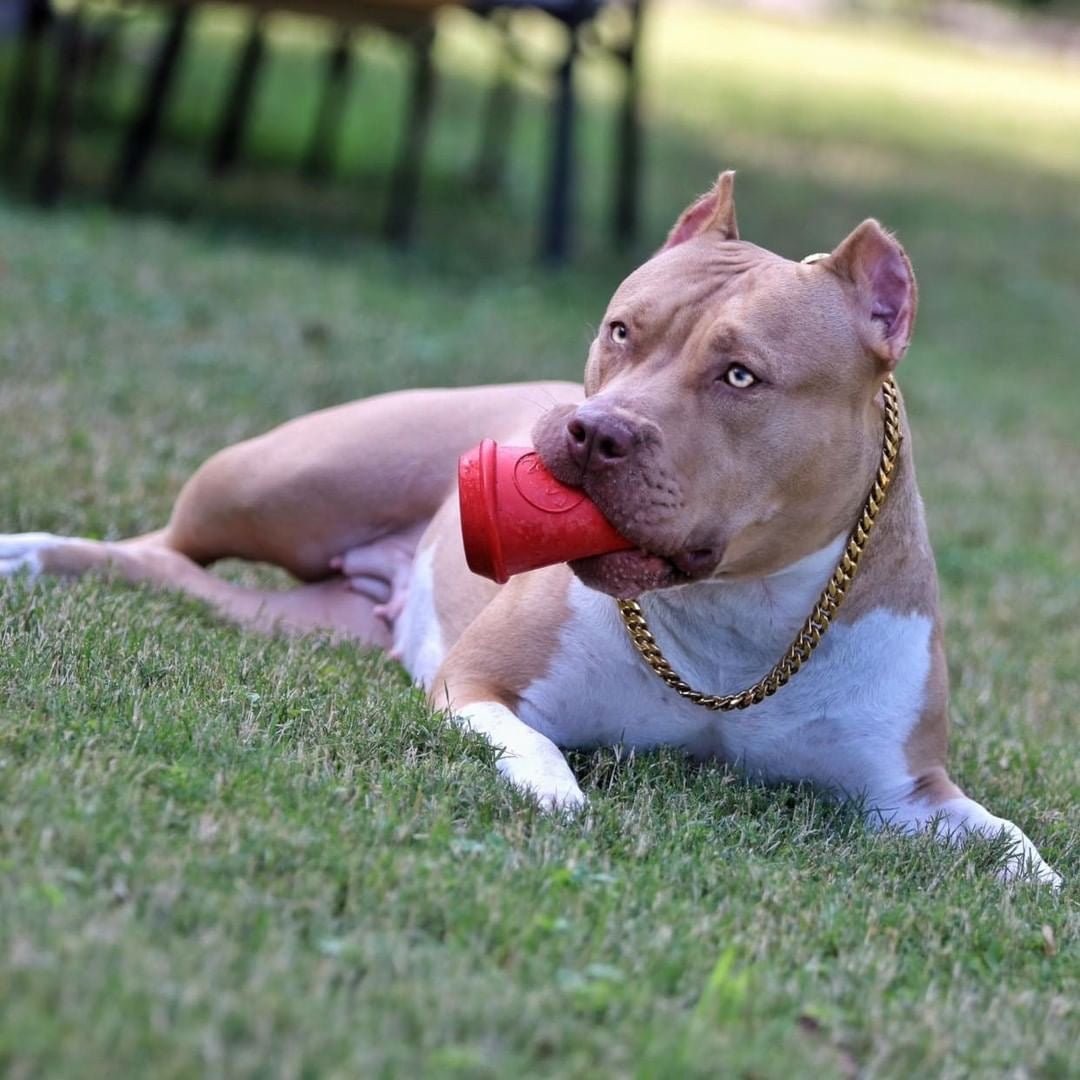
218 216
558 120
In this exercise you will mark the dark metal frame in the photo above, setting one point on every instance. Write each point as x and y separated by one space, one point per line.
417 29
580 18
143 133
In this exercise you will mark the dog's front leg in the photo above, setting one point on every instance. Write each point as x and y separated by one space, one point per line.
489 671
529 760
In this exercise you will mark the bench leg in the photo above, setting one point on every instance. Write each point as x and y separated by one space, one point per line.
102 60
23 90
321 151
406 179
628 157
555 241
237 112
143 133
50 174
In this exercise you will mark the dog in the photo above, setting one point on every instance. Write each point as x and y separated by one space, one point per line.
730 426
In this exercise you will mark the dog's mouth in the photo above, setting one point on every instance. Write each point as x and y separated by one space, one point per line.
661 558
627 574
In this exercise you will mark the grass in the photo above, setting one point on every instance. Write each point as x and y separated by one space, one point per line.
223 855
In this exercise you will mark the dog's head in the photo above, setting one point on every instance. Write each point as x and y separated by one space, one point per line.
730 425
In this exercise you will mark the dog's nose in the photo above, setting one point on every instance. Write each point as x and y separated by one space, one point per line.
597 440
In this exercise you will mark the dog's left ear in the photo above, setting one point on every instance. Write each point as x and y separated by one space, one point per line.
713 212
878 267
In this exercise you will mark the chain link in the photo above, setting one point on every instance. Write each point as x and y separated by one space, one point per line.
813 630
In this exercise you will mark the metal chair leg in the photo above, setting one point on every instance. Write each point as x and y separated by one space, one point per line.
628 157
406 181
498 117
237 112
327 128
555 241
143 132
25 82
50 174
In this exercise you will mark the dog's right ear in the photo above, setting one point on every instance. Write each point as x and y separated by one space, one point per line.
714 212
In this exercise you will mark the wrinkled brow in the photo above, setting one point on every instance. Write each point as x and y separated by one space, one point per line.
676 281
724 341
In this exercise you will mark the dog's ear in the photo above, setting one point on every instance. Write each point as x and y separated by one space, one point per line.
714 212
877 266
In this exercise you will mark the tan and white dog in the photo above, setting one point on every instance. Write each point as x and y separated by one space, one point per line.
731 426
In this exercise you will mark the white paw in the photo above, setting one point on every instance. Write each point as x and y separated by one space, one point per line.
554 789
21 553
1022 862
958 819
1027 865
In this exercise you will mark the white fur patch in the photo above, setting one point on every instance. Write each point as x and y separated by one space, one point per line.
418 639
958 818
21 552
528 759
841 722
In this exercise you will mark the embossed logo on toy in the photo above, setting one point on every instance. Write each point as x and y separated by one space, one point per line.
540 489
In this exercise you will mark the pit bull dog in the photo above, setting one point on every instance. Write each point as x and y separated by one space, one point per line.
731 426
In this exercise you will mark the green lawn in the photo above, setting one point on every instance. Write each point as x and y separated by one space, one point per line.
224 855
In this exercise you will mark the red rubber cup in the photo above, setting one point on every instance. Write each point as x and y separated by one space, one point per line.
515 516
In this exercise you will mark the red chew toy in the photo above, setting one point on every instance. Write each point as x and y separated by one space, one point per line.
515 516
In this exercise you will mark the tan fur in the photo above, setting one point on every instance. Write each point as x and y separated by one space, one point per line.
714 213
323 606
509 645
304 493
336 479
849 262
459 597
897 562
928 745
785 460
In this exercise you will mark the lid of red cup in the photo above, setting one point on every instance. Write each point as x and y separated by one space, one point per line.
476 494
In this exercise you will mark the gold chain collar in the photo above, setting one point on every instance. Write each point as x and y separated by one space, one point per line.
813 630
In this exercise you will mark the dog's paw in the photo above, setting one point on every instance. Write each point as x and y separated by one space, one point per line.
1028 867
20 553
555 790
1022 863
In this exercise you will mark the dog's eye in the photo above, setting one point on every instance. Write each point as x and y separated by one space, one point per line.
619 333
740 377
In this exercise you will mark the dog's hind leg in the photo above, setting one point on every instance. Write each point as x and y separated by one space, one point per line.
329 605
343 478
337 498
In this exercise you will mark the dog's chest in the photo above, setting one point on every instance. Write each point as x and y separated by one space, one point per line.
842 721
